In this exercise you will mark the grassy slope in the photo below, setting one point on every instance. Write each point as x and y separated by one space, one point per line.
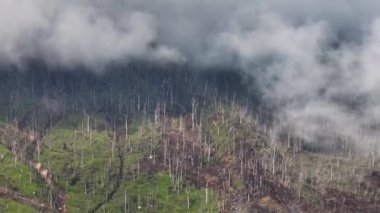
84 175
156 195
14 207
141 192
19 177
83 165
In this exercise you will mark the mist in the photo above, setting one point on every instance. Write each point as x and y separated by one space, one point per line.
316 62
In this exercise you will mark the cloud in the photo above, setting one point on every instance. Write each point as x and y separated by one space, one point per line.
83 36
94 32
77 34
323 88
19 22
166 54
316 62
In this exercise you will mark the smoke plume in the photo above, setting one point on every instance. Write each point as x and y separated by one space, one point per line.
316 62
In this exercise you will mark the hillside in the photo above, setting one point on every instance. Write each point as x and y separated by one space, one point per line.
144 138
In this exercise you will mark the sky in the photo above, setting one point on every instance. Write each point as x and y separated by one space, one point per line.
316 61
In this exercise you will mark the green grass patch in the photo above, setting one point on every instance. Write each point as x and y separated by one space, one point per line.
157 195
19 177
85 164
9 206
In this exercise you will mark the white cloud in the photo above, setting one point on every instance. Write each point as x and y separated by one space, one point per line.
310 58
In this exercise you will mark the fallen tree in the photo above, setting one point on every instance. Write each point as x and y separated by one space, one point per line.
18 197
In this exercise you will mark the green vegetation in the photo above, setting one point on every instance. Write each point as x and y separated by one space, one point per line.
84 164
141 141
19 177
9 206
156 195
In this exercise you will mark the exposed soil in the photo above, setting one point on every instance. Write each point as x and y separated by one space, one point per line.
183 156
339 201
